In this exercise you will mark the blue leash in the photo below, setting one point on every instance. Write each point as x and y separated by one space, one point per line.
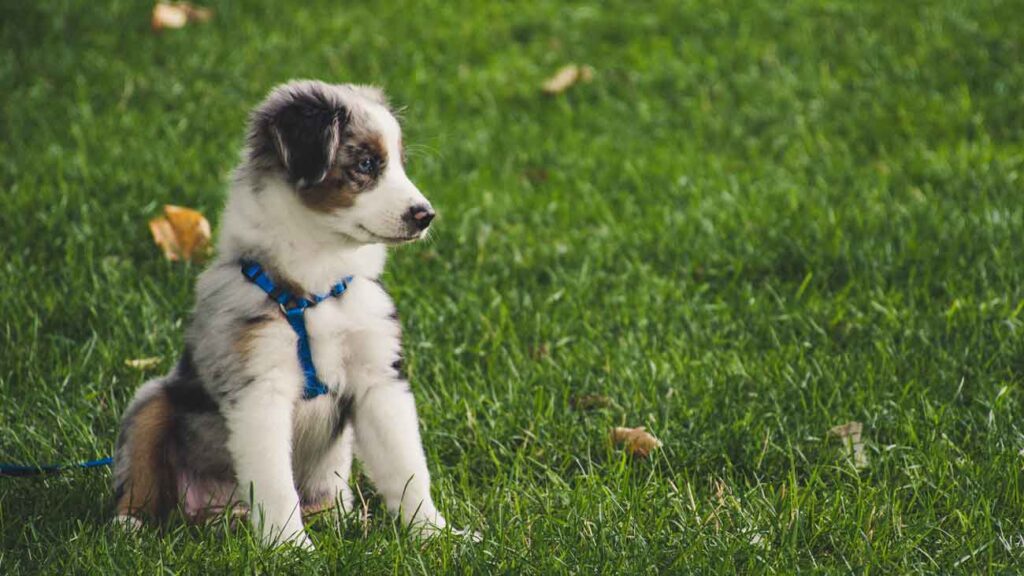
294 309
19 471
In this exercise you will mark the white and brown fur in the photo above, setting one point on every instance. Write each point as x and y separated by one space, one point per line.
228 426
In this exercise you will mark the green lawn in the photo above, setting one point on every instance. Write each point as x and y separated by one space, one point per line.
760 220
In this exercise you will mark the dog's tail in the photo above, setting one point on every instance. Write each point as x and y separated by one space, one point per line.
145 482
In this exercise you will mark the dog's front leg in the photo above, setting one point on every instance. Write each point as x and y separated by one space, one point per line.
388 443
260 430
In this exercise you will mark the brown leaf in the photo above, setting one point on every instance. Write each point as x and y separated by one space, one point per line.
850 435
198 13
143 363
566 77
590 401
183 233
849 430
168 16
536 175
637 441
177 15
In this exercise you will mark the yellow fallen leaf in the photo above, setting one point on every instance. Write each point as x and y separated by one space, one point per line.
850 435
637 441
177 15
182 233
566 77
143 363
168 16
198 13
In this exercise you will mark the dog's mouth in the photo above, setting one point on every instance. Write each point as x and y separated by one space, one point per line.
391 239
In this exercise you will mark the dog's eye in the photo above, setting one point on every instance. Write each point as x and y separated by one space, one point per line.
367 165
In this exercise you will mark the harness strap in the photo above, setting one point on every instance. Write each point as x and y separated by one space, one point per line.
294 309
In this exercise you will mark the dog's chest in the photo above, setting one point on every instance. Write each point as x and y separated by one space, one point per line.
354 336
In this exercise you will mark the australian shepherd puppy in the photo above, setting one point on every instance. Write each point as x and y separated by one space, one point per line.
319 194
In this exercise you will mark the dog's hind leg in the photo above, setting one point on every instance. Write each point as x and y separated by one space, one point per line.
144 476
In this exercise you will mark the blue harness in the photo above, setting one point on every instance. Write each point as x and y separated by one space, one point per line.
294 307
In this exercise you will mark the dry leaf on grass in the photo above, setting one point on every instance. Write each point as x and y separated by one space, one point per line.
850 435
590 401
566 77
143 363
183 233
536 175
177 15
637 441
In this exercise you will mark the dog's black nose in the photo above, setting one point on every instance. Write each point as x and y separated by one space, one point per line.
419 216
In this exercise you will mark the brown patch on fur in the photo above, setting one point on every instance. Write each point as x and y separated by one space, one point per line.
151 487
248 332
293 288
374 144
344 182
330 195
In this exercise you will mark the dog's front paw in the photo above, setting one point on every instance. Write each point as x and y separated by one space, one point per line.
298 539
288 531
471 535
302 542
429 527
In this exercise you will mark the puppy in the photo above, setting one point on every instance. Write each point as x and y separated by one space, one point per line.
319 194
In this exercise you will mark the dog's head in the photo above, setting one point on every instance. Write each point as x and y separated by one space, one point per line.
339 150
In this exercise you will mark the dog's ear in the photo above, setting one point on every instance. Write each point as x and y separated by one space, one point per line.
306 134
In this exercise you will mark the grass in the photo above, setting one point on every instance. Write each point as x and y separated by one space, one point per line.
760 220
